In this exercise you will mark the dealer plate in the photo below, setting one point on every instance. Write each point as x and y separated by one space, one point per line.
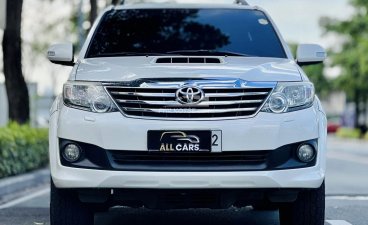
184 141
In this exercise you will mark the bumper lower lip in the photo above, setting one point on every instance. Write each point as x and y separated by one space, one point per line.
67 177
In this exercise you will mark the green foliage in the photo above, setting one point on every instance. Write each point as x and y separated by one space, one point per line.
348 133
322 85
22 149
316 75
353 56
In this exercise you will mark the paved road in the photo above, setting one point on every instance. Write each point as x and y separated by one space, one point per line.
346 203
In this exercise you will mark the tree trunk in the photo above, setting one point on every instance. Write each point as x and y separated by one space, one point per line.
357 109
16 87
365 111
115 2
93 12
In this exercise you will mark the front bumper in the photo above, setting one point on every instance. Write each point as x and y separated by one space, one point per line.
116 132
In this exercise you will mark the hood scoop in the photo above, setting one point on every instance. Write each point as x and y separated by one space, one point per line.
184 60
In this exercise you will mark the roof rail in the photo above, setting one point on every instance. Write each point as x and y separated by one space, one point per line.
241 2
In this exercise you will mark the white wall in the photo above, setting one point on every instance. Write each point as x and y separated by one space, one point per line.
2 13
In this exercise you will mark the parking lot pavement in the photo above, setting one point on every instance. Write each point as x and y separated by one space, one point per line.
346 201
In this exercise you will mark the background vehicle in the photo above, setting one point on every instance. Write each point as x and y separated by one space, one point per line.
334 123
245 125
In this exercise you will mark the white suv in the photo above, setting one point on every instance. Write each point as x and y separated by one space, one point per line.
187 106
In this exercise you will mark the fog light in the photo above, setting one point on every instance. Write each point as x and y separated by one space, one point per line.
306 153
72 152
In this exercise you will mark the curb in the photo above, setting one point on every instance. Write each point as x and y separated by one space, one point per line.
20 183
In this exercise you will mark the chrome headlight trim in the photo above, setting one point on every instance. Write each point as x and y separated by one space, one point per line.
297 96
87 96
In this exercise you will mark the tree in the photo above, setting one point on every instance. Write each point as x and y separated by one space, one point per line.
93 12
353 57
16 87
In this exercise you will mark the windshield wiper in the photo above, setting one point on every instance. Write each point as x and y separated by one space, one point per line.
202 52
116 54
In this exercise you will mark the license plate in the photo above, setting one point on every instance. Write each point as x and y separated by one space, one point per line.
184 141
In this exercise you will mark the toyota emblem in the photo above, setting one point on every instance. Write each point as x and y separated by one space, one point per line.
189 95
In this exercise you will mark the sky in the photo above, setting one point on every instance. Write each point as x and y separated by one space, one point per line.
298 21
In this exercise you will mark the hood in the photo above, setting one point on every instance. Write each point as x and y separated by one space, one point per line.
123 69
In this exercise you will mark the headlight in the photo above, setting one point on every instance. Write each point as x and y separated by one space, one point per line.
87 96
290 96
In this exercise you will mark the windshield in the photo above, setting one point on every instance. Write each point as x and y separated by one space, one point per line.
234 32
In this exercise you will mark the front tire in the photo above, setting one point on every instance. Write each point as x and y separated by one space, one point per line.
308 209
66 209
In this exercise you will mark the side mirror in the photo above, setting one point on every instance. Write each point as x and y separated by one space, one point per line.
309 54
62 54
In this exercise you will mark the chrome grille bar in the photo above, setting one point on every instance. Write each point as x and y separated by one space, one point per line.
189 110
144 94
219 95
209 95
175 103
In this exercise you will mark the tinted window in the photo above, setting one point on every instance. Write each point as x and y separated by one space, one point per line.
164 30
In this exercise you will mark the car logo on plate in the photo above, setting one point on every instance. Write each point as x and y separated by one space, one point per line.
189 95
179 141
181 136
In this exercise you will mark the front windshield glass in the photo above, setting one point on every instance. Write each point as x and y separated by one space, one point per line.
234 32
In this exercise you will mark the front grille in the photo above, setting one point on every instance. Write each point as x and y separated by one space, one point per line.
162 102
225 161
